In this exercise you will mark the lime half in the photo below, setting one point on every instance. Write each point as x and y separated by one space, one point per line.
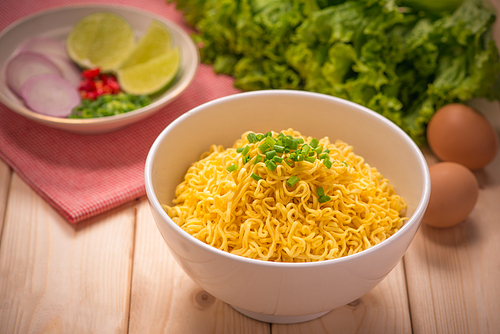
151 76
101 40
153 43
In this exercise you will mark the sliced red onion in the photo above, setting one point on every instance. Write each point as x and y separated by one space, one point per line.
55 51
68 69
26 65
50 94
43 45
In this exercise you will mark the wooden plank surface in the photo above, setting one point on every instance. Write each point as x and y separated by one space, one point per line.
5 175
165 300
59 278
383 310
453 273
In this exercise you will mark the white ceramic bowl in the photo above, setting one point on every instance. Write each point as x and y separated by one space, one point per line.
285 292
57 23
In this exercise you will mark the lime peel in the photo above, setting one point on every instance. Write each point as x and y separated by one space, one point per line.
153 43
151 76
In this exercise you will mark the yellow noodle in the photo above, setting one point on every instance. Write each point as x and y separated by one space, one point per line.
268 220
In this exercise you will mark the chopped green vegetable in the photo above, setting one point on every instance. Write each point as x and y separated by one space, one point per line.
264 147
314 143
252 138
255 177
270 154
279 148
270 141
109 105
232 168
271 165
320 191
292 181
324 198
245 150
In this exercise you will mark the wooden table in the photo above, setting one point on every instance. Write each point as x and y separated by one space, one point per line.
114 274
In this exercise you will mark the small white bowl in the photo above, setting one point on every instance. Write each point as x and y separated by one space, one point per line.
57 23
285 292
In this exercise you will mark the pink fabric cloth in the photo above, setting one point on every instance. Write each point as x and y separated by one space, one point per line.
84 175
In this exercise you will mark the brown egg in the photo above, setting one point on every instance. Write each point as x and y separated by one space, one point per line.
460 134
454 192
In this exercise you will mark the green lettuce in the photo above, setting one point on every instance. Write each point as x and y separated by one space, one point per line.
402 59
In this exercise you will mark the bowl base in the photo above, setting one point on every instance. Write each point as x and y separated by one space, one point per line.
279 319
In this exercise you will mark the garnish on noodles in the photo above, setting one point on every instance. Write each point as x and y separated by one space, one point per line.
286 197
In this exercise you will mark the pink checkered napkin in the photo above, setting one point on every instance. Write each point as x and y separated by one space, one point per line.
84 175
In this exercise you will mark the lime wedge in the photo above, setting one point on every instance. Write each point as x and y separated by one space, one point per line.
101 40
153 43
151 76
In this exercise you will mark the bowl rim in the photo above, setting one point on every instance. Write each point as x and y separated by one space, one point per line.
171 94
153 200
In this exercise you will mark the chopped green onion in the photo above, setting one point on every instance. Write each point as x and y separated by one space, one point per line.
327 163
252 138
345 163
289 142
258 158
320 191
255 177
264 147
232 168
292 181
300 157
246 158
277 159
268 134
246 149
305 149
279 148
260 136
324 156
310 159
271 165
324 198
270 154
239 149
318 150
314 143
270 141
